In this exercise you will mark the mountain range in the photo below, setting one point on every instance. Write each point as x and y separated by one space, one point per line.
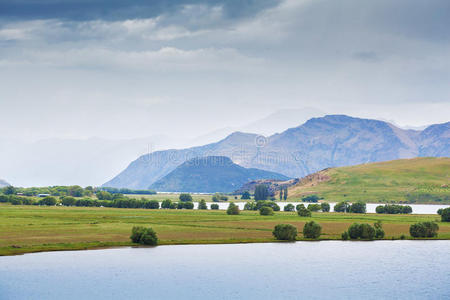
329 141
209 175
3 183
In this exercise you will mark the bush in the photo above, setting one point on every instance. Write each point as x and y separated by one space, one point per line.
4 199
214 206
245 195
424 229
345 236
379 232
325 206
358 208
217 197
68 201
188 205
285 232
361 231
15 200
270 204
250 206
314 207
202 204
445 215
311 198
185 198
232 209
439 211
341 207
312 230
49 201
152 204
144 236
393 209
289 207
266 211
173 205
166 203
302 211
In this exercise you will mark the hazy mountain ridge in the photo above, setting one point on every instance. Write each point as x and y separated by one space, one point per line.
3 183
210 174
330 141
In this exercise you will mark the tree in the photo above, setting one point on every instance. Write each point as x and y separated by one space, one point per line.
302 211
281 194
311 198
217 197
379 232
9 190
166 203
361 231
245 195
285 232
440 211
68 201
424 229
314 207
250 206
152 204
312 230
214 206
188 205
285 193
289 207
341 207
358 208
49 201
445 215
185 198
144 236
202 204
325 206
266 211
261 192
393 209
233 209
270 204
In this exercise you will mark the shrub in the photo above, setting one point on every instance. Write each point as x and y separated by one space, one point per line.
311 198
144 236
445 216
393 209
379 232
202 204
232 209
217 197
312 230
424 229
49 201
152 204
166 203
439 211
302 211
289 207
341 207
188 205
266 211
173 205
270 204
314 207
361 231
15 200
4 198
214 206
250 206
245 195
345 236
285 232
357 208
185 198
68 201
325 206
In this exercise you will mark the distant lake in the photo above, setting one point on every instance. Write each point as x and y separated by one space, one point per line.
307 270
417 208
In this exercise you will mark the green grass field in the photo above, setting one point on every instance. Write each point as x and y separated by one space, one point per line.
418 180
26 229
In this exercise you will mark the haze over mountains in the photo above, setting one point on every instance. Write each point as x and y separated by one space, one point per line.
330 141
3 183
209 175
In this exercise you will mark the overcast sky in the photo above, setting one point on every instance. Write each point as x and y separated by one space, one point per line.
117 69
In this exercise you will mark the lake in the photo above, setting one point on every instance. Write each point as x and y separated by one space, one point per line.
307 270
417 208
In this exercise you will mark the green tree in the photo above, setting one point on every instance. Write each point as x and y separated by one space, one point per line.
361 231
285 193
311 198
9 190
289 207
166 203
68 201
144 236
233 209
250 206
445 215
379 232
202 204
342 207
424 229
314 207
152 204
358 208
285 232
312 230
185 198
325 206
266 211
217 197
49 201
281 194
261 192
302 211
245 195
188 205
214 206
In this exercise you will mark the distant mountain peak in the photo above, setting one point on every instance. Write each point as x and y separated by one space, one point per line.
3 183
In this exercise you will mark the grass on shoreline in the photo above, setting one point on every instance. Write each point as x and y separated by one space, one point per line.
25 229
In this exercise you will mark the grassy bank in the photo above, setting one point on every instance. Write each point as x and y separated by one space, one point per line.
25 229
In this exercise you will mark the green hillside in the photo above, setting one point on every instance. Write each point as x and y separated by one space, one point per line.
418 180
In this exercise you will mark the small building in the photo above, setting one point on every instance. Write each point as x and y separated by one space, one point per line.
43 195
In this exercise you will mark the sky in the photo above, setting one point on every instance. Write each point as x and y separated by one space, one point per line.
129 69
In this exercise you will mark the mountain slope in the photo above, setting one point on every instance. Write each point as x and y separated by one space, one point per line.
3 183
330 141
210 174
419 180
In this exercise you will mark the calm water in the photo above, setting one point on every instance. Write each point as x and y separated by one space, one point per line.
306 270
417 208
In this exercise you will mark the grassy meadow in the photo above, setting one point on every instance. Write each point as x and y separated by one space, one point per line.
417 180
25 229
